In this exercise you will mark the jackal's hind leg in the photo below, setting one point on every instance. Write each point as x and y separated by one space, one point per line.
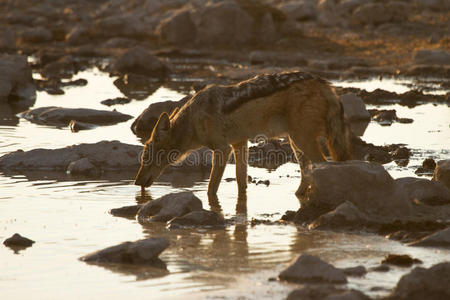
219 162
303 162
310 153
241 159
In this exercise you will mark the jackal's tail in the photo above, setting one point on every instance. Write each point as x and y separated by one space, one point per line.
338 139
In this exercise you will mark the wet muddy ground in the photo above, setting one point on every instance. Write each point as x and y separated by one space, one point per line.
68 217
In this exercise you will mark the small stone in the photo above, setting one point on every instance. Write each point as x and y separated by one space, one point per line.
381 268
442 172
81 166
266 182
289 216
401 153
357 271
140 252
385 117
18 241
198 218
126 211
77 82
429 163
114 101
427 168
140 61
168 207
308 268
400 260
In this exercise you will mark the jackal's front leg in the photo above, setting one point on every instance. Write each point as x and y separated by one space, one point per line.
219 162
241 159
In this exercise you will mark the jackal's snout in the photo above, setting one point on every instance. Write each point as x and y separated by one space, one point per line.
144 180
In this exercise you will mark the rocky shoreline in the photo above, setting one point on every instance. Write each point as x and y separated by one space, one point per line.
150 41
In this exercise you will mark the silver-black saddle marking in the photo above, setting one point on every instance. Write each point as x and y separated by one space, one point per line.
260 86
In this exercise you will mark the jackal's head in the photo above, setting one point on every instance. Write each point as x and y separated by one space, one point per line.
158 152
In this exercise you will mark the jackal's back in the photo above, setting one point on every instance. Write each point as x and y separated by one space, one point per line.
260 86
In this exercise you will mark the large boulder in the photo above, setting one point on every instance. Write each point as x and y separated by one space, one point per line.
139 60
378 13
442 172
311 269
79 34
178 28
299 10
36 35
423 191
355 194
354 107
421 283
92 159
168 207
144 123
129 25
432 57
16 81
64 67
223 23
439 239
8 38
371 13
334 183
140 252
436 5
105 155
60 116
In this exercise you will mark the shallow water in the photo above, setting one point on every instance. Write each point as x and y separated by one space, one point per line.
69 218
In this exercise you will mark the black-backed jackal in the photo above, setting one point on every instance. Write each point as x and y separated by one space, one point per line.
297 105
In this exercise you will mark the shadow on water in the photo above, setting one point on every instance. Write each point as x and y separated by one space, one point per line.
204 249
123 177
155 270
175 179
143 197
136 88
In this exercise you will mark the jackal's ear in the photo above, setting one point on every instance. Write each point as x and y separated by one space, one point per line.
163 123
174 112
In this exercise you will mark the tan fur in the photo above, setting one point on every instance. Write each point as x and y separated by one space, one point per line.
306 111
